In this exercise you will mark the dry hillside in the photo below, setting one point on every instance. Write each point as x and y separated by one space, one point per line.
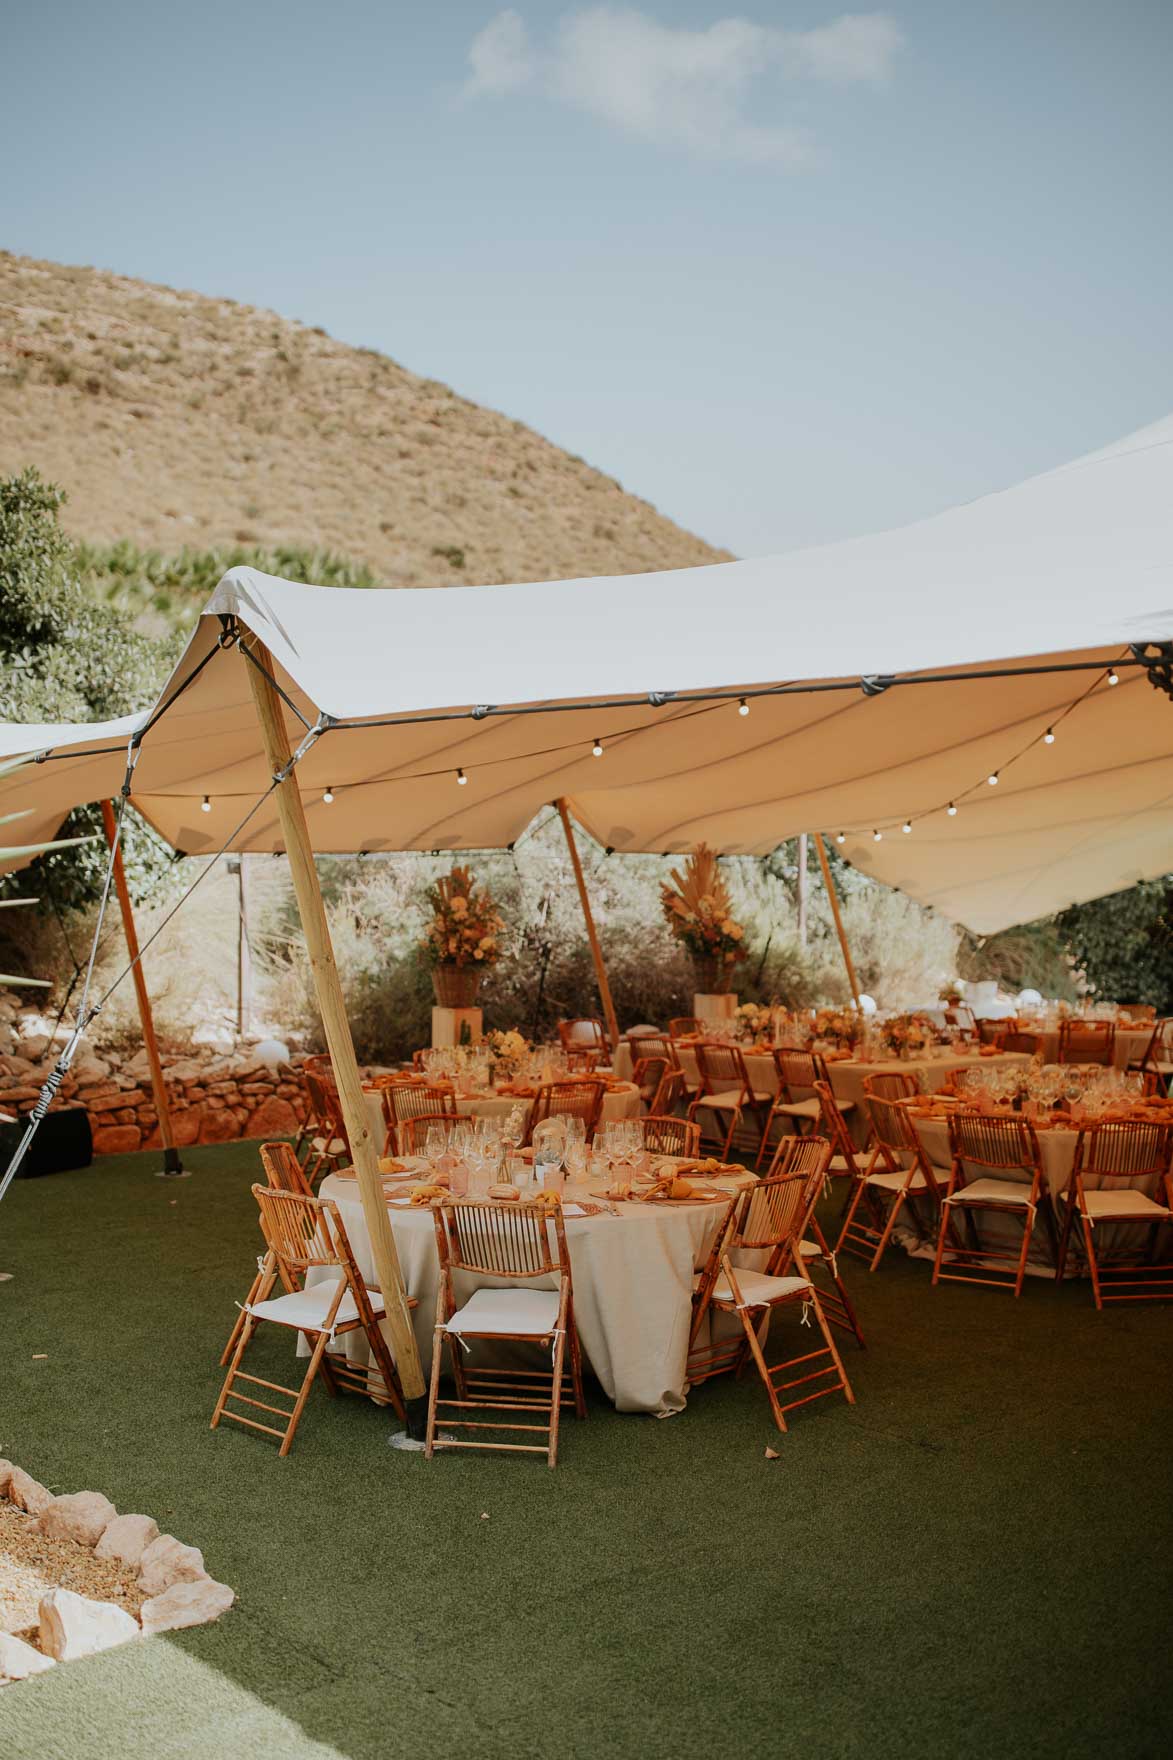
176 420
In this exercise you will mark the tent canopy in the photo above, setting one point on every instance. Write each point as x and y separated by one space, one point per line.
1066 570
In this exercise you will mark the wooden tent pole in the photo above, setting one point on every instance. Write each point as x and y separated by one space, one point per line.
834 897
327 985
171 1161
592 936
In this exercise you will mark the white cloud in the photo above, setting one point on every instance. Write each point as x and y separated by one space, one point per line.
718 91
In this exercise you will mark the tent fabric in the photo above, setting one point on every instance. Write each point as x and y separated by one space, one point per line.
1067 568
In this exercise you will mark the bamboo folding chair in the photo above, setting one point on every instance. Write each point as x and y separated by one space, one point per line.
670 1136
647 1075
891 1084
510 1243
567 1100
898 1175
672 1090
1014 1039
311 1126
284 1173
843 1154
812 1155
726 1091
796 1100
307 1234
990 1032
686 1026
1156 1061
1120 1176
1009 1182
1083 1041
413 1132
653 1045
402 1101
960 1017
585 1033
584 1060
330 1146
772 1218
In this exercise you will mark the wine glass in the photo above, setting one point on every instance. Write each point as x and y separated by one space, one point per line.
549 1150
435 1143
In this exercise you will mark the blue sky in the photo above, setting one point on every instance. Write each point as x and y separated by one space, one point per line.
790 278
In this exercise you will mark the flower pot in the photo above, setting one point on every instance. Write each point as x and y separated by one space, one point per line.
713 976
456 986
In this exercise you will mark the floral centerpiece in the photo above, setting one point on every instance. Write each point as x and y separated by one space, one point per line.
509 1051
907 1035
755 1023
462 938
839 1027
699 913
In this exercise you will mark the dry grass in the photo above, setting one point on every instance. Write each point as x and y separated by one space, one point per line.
177 420
31 1565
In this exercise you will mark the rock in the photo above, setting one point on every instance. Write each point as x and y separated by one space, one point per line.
28 1493
72 1626
117 1139
219 1126
127 1538
6 1471
104 1102
186 1604
81 1515
166 1561
185 1127
272 1118
272 1053
19 1660
34 1043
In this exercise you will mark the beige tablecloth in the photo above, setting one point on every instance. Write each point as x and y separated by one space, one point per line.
632 1285
1131 1043
617 1103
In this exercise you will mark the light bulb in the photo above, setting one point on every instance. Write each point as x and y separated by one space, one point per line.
841 838
1049 737
461 778
328 796
597 748
992 779
951 810
907 825
743 706
1113 676
877 837
205 805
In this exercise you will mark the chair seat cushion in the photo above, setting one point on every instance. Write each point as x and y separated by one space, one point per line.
757 1289
838 1164
307 1308
798 1108
335 1146
894 1181
1122 1205
533 1312
992 1191
723 1102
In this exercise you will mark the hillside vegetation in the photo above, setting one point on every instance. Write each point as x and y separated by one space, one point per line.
181 423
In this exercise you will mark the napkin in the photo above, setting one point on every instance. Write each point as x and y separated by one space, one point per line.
426 1195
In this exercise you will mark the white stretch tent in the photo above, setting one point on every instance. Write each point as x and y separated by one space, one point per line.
1066 570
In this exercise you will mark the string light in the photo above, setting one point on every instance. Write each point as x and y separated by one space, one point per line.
597 748
951 810
461 778
841 838
1113 676
205 805
907 825
329 795
877 837
992 779
743 706
1049 737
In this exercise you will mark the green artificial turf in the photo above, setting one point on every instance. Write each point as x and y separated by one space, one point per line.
971 1561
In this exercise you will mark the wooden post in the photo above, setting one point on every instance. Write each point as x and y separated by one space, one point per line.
834 897
397 1325
803 888
171 1162
244 959
592 937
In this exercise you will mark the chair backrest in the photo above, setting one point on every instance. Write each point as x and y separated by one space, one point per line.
653 1045
1160 1046
893 1084
1014 1039
325 1106
502 1240
1124 1149
585 1032
773 1212
568 1099
894 1131
303 1231
406 1100
990 1032
412 1135
961 1018
1006 1145
806 1154
798 1071
721 1067
283 1170
671 1136
649 1072
1082 1041
669 1093
684 1026
837 1132
582 1059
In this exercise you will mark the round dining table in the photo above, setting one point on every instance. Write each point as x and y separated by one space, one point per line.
632 1266
1129 1046
619 1101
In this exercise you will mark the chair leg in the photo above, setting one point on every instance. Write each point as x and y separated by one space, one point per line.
763 1369
1027 1232
1093 1268
556 1398
856 1197
889 1225
831 1346
434 1390
580 1410
770 1117
1064 1240
303 1393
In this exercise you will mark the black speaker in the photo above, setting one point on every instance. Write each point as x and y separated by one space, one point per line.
63 1141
